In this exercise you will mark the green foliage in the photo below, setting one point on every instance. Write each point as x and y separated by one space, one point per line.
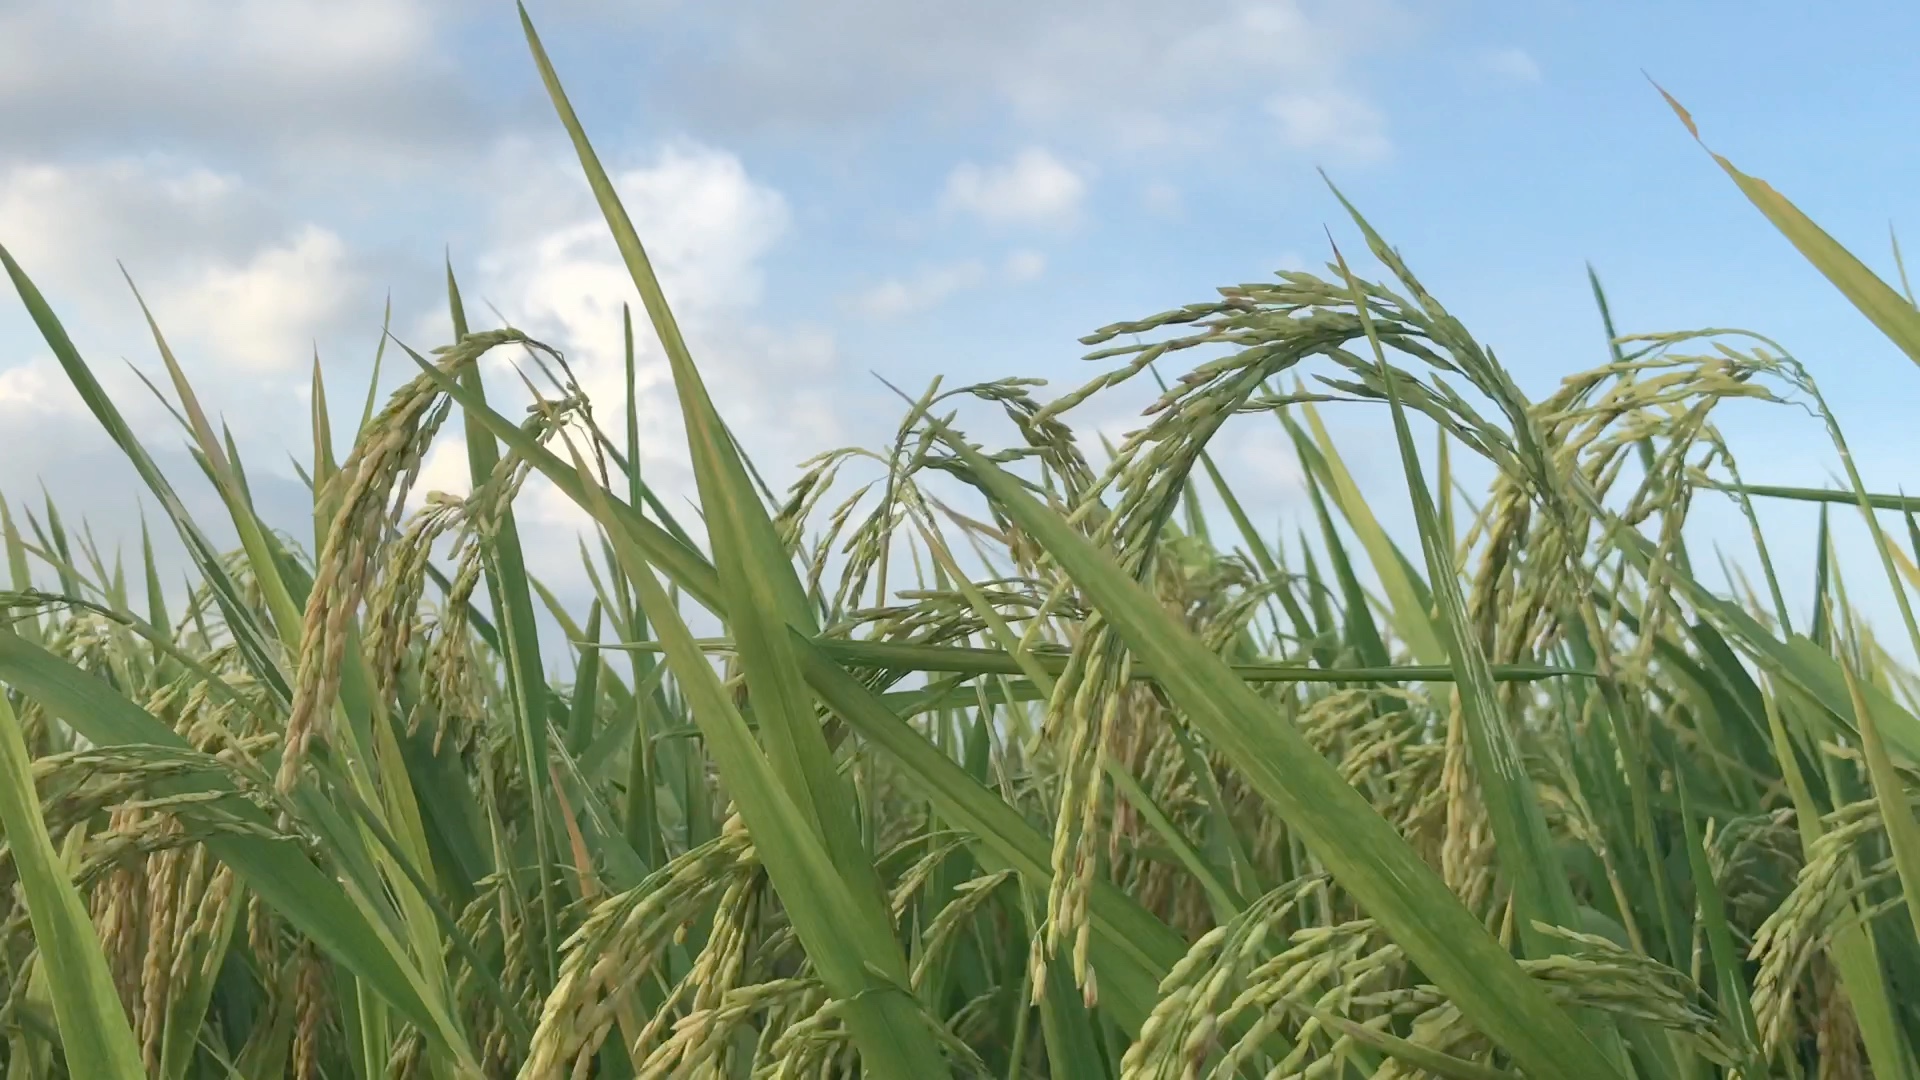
1002 763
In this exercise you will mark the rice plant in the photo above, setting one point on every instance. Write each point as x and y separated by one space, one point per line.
1006 760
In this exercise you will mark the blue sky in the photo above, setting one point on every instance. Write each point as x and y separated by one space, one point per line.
844 187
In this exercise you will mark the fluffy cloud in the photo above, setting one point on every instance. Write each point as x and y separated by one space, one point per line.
1515 64
37 386
1034 188
1161 197
243 291
243 303
708 226
292 75
232 282
68 222
261 315
1135 73
264 226
1024 265
705 222
1333 123
903 296
933 285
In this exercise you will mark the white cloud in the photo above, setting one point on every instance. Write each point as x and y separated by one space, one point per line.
1261 463
229 280
36 388
1034 188
262 315
67 222
242 291
1161 197
933 285
903 296
1331 122
1130 74
269 102
1025 265
708 225
445 468
1515 64
290 74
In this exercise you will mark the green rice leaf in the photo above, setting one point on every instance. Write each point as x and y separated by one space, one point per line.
1360 849
1892 313
93 1029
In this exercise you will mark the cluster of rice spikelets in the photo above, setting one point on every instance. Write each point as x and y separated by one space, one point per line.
379 814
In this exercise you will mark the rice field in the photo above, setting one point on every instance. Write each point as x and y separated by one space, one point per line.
980 753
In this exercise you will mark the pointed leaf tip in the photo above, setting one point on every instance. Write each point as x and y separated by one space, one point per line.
1678 109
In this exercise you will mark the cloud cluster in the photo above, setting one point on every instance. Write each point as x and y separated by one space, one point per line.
1331 122
1516 64
244 294
243 305
708 226
232 77
239 287
1034 188
217 148
932 285
1127 73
